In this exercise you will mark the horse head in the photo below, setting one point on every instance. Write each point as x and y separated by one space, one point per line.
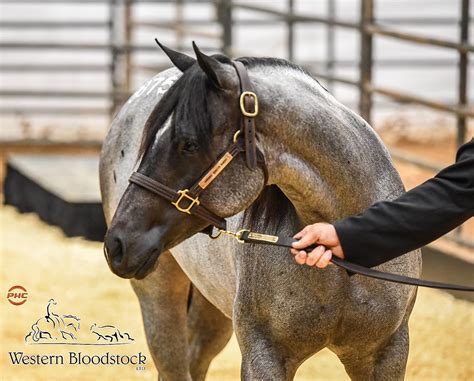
189 128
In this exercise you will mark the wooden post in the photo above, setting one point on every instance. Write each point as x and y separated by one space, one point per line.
113 57
179 24
463 66
291 32
330 43
366 19
127 86
461 120
224 14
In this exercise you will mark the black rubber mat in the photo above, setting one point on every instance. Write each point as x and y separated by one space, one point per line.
42 186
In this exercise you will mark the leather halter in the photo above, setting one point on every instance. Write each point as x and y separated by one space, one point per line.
187 200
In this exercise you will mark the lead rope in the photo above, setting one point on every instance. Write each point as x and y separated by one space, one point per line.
246 236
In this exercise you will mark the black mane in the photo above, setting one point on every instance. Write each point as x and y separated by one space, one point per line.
188 98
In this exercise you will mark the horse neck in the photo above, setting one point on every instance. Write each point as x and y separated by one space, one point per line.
327 160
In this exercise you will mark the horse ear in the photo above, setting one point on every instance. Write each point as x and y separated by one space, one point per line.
180 60
217 72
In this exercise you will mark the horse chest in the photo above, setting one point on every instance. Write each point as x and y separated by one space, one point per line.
210 267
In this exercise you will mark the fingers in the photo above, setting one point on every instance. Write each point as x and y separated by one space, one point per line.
302 232
319 257
324 260
306 237
321 233
315 255
300 257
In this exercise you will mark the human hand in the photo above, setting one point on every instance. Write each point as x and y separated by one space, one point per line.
322 234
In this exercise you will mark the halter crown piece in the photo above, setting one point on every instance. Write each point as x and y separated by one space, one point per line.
187 200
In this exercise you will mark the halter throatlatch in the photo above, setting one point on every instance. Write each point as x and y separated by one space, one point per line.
244 140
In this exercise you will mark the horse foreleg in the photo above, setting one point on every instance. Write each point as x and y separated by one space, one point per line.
387 363
263 356
392 359
263 360
163 297
209 332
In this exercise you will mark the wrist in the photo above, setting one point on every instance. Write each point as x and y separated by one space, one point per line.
336 247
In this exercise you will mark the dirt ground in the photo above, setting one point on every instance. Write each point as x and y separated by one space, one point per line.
74 273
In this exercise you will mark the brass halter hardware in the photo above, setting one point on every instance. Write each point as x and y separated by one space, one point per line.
205 181
236 136
183 194
237 235
253 113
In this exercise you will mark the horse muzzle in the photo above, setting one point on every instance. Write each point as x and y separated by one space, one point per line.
132 260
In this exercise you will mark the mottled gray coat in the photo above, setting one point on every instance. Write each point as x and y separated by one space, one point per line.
329 163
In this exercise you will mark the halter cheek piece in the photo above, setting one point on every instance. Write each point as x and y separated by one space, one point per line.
187 200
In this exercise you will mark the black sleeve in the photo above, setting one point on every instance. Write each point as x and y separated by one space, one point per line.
389 229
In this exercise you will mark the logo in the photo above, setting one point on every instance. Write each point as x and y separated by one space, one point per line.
17 295
56 328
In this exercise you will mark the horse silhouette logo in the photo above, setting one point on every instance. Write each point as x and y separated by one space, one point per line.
109 333
55 328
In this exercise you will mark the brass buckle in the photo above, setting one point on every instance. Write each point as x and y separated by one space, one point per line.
184 194
242 105
237 235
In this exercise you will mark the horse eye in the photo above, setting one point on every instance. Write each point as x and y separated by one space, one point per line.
189 147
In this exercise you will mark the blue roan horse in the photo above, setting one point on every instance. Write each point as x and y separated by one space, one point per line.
324 162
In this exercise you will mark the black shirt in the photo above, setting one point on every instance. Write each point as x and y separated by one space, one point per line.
389 229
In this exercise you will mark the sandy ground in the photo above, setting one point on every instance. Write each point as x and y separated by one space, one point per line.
74 273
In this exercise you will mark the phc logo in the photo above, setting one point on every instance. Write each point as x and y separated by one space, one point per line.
17 295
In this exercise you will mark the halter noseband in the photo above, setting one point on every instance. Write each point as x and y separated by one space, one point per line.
187 200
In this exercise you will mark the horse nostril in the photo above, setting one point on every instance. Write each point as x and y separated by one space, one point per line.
114 250
118 254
